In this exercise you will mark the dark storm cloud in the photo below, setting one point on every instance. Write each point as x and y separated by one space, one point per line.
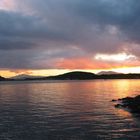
57 29
18 31
122 14
76 18
14 24
15 45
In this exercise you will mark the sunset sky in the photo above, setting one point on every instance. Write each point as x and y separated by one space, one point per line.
47 37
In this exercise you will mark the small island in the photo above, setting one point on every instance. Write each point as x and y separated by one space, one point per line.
131 103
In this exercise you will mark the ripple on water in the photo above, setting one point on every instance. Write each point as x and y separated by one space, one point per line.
67 111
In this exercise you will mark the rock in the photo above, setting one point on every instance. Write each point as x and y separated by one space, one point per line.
118 105
137 98
131 103
114 100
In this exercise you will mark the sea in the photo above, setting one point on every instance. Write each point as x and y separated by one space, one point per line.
67 110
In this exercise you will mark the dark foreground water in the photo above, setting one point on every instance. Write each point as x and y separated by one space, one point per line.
67 110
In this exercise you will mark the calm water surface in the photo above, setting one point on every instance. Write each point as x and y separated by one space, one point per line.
67 110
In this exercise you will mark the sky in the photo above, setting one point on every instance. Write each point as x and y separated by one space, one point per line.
48 37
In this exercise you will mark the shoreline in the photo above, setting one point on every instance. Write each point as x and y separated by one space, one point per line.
129 103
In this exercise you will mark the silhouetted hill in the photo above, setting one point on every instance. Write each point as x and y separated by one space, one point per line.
77 75
87 76
2 78
120 76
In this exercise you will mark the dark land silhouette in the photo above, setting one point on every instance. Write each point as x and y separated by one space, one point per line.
131 103
2 78
78 75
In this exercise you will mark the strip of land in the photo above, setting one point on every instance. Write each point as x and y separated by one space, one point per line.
77 75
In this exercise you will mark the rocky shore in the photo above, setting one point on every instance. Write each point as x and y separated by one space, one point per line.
131 103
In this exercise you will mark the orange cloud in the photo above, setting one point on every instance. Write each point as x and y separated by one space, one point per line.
80 63
88 63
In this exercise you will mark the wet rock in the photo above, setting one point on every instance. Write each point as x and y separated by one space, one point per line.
114 100
118 105
131 103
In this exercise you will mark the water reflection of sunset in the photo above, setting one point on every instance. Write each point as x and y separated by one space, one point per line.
122 112
122 87
73 104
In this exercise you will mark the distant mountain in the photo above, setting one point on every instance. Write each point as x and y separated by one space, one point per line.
2 78
77 75
107 73
24 77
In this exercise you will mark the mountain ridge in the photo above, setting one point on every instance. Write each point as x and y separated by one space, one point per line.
108 73
77 75
24 76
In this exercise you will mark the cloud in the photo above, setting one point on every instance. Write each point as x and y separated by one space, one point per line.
51 33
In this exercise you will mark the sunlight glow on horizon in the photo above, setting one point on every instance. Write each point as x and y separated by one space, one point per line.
51 72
